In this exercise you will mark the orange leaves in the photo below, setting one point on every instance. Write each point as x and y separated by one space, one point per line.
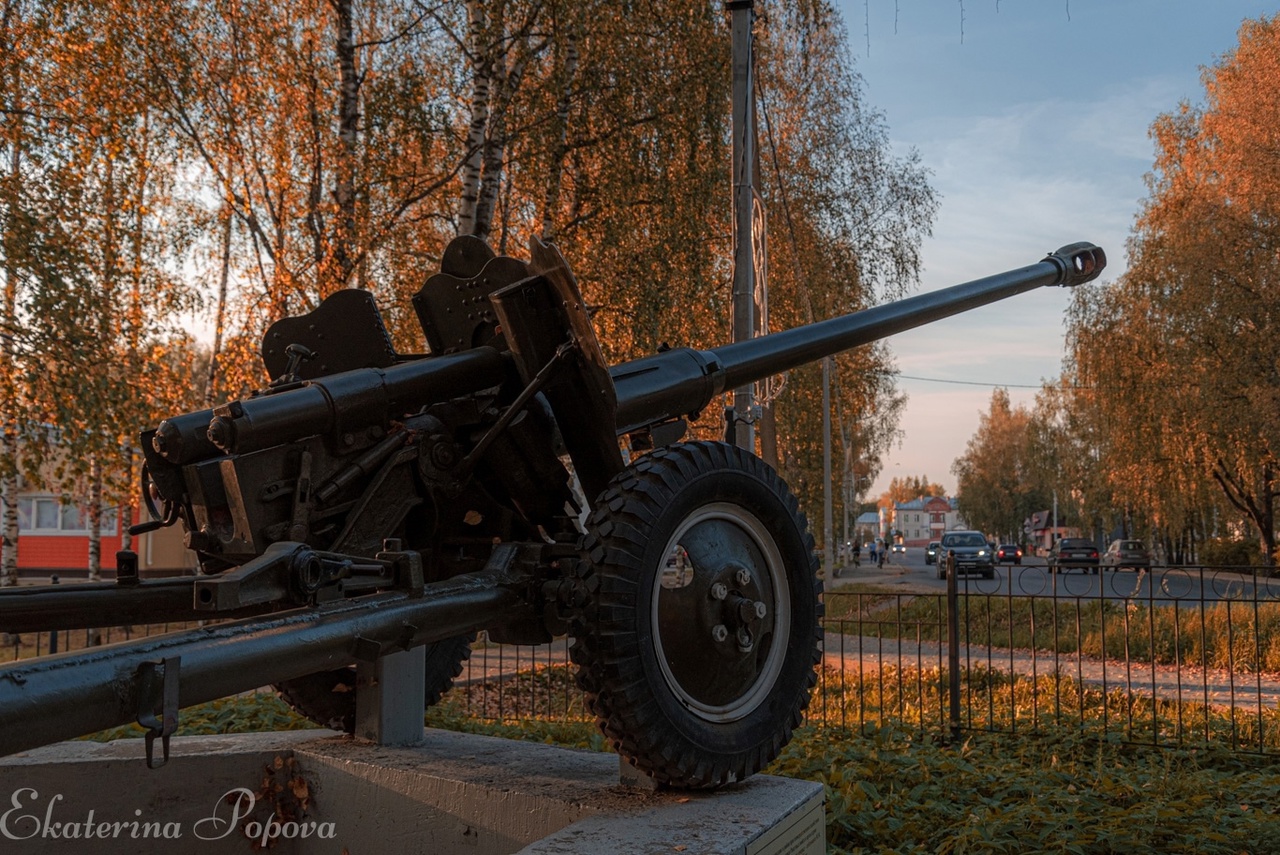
1178 350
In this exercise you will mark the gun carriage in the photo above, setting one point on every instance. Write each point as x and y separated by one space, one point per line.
368 502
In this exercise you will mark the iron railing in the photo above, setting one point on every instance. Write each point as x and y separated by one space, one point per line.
1166 657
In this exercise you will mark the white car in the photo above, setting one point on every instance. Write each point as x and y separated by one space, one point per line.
899 547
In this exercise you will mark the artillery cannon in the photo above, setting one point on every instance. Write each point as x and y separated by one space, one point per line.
368 502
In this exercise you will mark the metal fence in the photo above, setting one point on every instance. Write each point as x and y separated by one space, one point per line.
1168 657
14 646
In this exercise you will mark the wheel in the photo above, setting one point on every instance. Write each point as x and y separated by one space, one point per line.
698 653
328 698
989 573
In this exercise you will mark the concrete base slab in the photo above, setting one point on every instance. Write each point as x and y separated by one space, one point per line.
318 792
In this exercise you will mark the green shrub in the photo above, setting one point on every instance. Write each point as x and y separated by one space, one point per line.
1224 552
252 713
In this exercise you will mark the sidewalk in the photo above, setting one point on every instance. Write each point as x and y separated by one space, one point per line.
1213 687
861 654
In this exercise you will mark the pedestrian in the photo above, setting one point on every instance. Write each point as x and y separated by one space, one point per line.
857 554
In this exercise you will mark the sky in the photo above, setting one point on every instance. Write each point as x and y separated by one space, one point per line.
1034 126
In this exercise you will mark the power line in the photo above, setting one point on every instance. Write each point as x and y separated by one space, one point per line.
972 382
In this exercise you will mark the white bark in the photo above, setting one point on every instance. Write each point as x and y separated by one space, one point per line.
551 203
95 519
345 251
480 64
9 495
8 420
211 385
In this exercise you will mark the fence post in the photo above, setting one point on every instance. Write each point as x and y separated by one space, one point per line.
953 646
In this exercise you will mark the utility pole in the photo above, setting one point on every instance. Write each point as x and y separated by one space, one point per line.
828 553
744 161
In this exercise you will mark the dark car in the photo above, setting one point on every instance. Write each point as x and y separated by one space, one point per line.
1076 553
972 553
931 552
1009 553
1127 553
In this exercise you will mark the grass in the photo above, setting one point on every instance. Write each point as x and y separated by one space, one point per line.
894 790
1073 778
1242 637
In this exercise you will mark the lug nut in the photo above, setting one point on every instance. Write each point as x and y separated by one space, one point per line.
742 577
719 591
443 455
761 609
745 641
719 632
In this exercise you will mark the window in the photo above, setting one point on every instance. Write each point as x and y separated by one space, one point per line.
48 515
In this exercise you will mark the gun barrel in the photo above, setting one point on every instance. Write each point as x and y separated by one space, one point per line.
685 381
340 402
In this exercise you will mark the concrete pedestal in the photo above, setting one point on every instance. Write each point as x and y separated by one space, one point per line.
452 793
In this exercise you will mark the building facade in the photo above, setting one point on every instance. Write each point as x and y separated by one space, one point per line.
921 520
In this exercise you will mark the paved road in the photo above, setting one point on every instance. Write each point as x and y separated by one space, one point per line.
1185 586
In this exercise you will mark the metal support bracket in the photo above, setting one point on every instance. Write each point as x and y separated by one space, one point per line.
290 572
158 687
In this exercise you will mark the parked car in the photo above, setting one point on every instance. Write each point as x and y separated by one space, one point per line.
1132 554
973 554
931 552
1009 553
1076 553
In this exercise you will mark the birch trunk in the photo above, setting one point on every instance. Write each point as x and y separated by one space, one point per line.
95 519
551 203
8 370
505 84
211 385
491 177
480 64
9 495
344 193
124 515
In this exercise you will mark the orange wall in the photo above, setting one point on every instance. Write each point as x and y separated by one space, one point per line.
159 550
63 551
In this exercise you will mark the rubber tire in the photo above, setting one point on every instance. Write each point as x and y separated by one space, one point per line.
637 709
328 698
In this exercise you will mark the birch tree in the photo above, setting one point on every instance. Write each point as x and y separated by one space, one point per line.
1188 371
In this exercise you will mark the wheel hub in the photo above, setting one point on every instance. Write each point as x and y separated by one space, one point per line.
720 613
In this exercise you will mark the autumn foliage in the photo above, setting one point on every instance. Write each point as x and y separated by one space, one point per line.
1176 364
245 158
